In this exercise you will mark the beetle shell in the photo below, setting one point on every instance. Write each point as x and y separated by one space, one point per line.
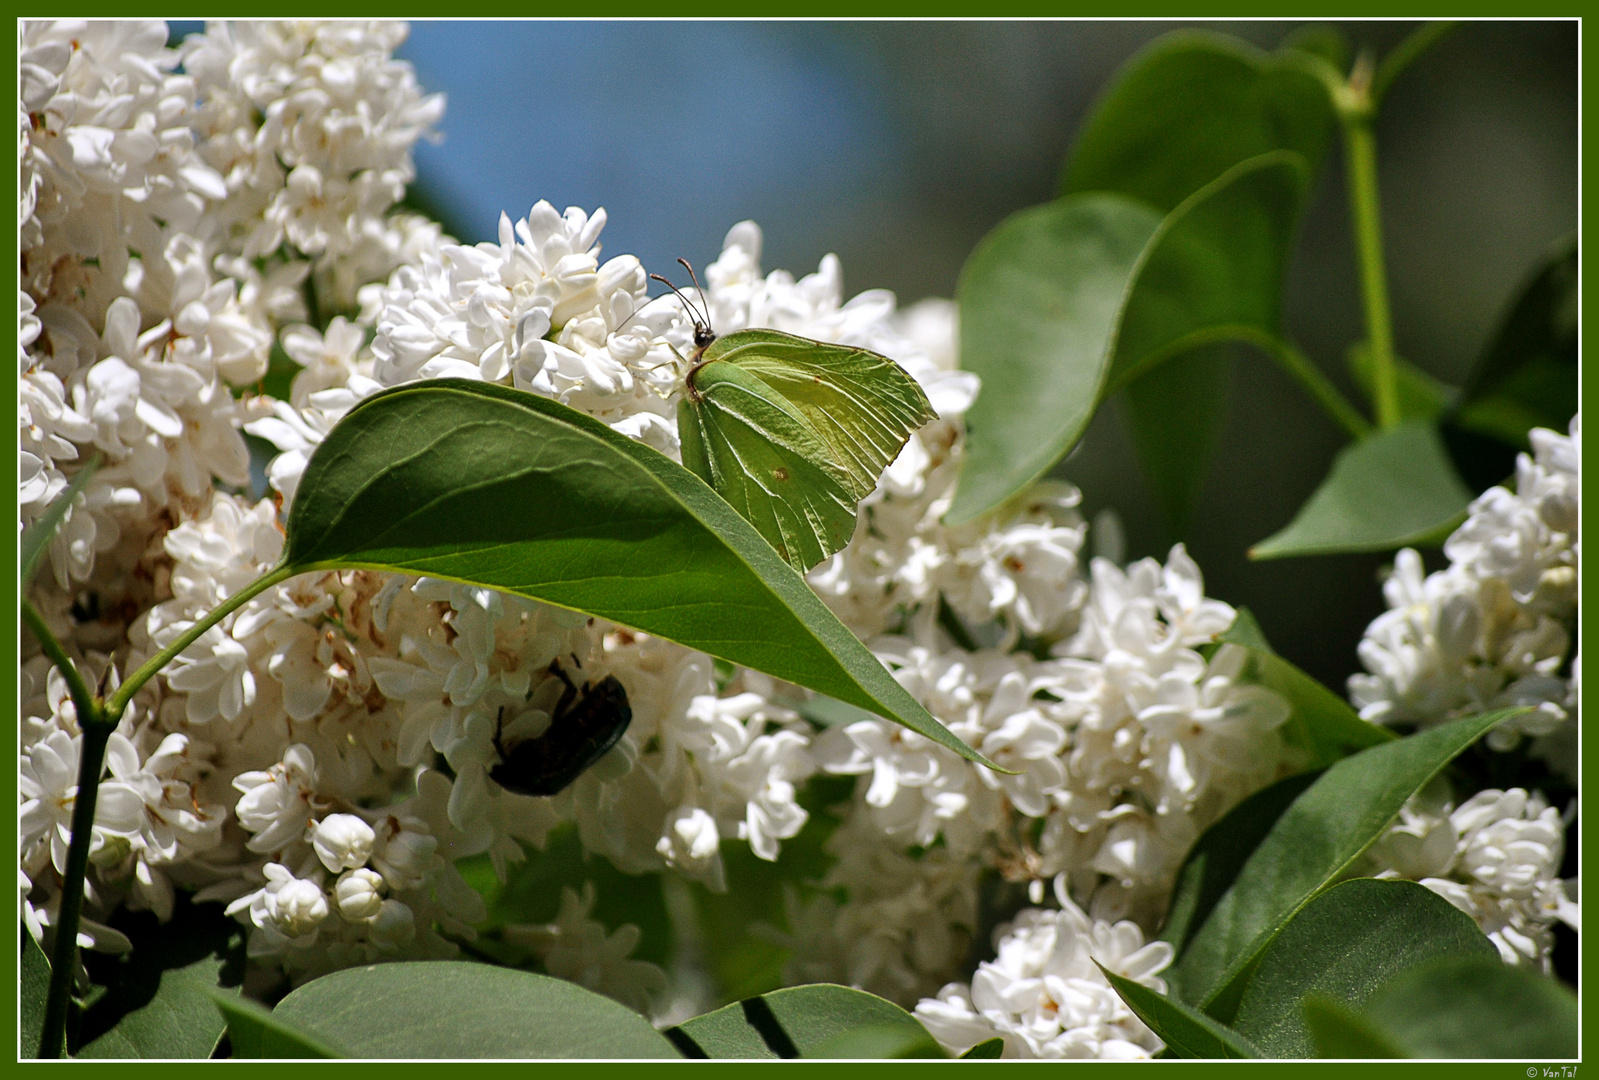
584 727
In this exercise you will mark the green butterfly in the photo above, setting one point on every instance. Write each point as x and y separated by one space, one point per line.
793 432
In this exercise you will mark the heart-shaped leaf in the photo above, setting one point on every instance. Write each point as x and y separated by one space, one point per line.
1063 304
1344 945
492 486
452 1009
1391 489
1313 844
800 1021
1187 108
1187 1032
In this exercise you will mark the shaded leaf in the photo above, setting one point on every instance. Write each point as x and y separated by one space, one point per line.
1187 108
1062 304
1321 40
796 1022
32 992
1340 1032
1470 1008
1527 376
988 1049
1175 416
453 1009
1344 945
255 1032
1187 1032
158 999
492 486
1391 489
1314 843
1212 864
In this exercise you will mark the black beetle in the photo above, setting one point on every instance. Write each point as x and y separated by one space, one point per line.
584 725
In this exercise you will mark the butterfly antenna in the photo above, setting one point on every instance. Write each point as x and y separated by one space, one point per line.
694 312
698 288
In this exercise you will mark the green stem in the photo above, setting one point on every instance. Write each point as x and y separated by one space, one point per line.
1360 158
119 700
1285 355
64 955
83 698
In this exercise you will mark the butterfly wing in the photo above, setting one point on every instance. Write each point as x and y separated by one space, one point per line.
861 406
761 455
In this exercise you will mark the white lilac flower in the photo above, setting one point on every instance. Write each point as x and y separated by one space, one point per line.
1494 628
1496 857
48 788
1044 993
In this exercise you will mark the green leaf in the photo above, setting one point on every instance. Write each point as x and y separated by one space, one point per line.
492 486
255 1032
1345 944
453 1009
1320 40
827 712
158 998
988 1049
1320 722
794 432
33 989
1181 114
1314 843
36 537
1187 1032
796 1022
1041 299
1212 864
1467 1008
1063 304
1391 489
1421 397
878 1042
1338 1032
1527 377
1189 107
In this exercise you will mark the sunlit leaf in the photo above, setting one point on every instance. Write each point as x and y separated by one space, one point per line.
492 486
452 1009
796 1022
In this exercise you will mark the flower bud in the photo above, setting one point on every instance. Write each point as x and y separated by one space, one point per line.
298 908
359 896
343 842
